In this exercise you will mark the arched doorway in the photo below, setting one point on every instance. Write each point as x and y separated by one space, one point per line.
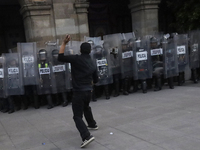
11 25
108 17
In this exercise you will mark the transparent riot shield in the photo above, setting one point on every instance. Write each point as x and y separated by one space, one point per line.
13 71
101 58
2 78
142 68
194 49
59 76
170 58
28 55
181 46
73 48
113 47
127 55
156 53
44 72
94 41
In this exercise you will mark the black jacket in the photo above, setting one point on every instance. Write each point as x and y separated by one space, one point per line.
83 70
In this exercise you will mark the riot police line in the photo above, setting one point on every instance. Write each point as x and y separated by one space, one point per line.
125 64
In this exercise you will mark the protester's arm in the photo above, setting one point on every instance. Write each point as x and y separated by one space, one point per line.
67 59
64 43
61 56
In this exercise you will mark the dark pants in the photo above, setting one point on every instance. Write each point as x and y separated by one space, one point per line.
80 106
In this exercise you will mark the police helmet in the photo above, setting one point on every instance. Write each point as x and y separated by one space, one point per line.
42 54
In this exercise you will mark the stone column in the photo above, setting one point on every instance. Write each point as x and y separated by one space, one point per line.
144 16
82 18
38 21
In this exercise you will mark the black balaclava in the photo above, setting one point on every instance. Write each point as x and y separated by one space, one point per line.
85 48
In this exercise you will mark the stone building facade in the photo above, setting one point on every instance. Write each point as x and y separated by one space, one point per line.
50 20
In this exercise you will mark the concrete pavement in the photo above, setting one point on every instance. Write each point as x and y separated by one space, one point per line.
164 120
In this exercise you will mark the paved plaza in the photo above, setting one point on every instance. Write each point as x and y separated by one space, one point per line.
164 120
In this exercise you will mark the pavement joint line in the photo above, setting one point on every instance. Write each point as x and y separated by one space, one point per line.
102 145
40 132
8 135
139 138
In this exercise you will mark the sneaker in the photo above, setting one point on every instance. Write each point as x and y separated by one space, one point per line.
87 141
93 128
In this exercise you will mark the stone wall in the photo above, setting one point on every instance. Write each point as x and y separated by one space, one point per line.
144 16
51 20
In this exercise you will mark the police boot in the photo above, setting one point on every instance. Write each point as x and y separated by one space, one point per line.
130 90
180 79
5 105
158 84
125 87
1 104
49 100
149 83
135 86
171 82
58 99
17 100
107 91
11 105
144 86
183 77
194 76
65 101
36 102
116 84
25 100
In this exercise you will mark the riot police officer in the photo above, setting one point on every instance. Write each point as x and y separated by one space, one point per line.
194 54
101 58
169 60
181 45
157 63
14 82
142 62
59 78
28 56
127 66
45 86
114 56
112 44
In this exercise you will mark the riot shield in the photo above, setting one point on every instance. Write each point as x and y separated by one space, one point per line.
194 48
101 59
181 46
113 44
170 58
44 72
72 48
13 71
2 78
94 41
27 52
156 53
142 68
59 76
127 55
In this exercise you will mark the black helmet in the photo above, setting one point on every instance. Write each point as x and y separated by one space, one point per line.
42 54
91 42
55 53
13 62
153 42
